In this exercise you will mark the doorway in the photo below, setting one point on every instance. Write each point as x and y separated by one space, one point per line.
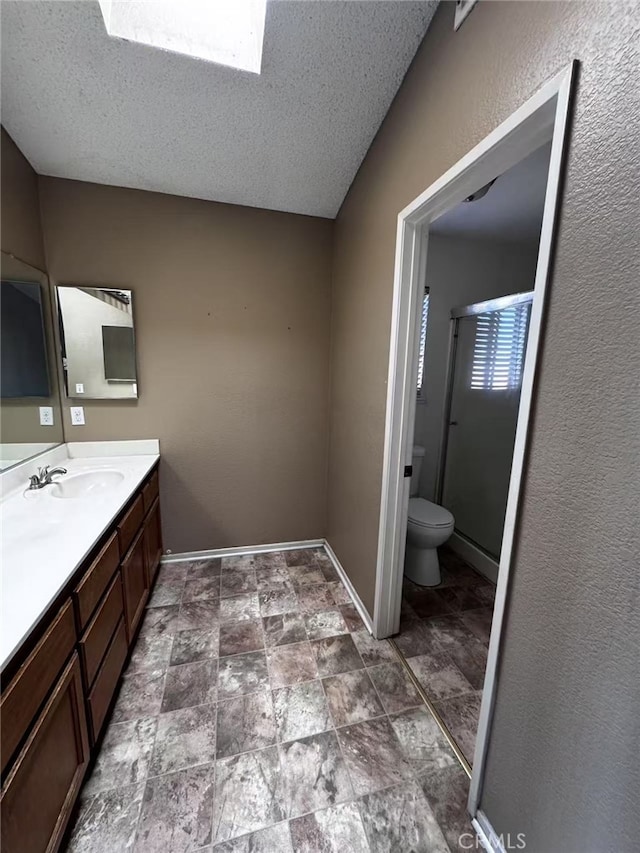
544 119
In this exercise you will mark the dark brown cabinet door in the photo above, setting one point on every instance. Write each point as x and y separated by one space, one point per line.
41 789
153 541
136 588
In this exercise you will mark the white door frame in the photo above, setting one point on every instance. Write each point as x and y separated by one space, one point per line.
545 116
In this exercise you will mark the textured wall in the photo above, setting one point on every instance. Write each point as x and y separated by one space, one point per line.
20 208
563 761
231 307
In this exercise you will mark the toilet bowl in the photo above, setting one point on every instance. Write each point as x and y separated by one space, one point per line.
428 526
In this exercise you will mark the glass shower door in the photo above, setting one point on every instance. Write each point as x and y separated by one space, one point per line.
485 395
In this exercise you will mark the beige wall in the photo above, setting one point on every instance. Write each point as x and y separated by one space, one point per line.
563 762
21 232
231 307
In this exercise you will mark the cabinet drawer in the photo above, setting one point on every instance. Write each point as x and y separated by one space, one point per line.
130 524
33 681
135 587
107 680
96 639
150 492
41 790
91 588
153 542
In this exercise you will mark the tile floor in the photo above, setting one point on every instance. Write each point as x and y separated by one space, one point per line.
444 637
257 715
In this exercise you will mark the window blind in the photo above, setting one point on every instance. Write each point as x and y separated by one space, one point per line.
423 341
498 354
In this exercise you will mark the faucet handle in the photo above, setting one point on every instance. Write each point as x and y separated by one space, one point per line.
42 472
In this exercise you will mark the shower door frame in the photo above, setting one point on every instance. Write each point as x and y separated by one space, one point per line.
458 313
545 116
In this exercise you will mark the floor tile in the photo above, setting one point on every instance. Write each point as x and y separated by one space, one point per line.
340 594
329 572
276 602
460 598
108 821
239 607
471 660
439 676
486 593
334 830
335 655
172 572
400 819
273 577
415 639
274 839
446 632
447 790
301 710
184 738
239 637
426 603
204 568
202 589
160 621
245 724
237 582
190 646
305 575
352 698
124 756
140 695
373 755
291 664
284 629
372 651
423 744
325 623
169 592
198 615
241 674
351 617
249 794
460 715
151 651
314 774
176 812
190 684
302 557
315 597
479 622
394 687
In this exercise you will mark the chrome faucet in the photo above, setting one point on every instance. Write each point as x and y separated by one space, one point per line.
43 477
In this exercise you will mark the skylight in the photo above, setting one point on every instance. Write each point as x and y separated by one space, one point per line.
228 32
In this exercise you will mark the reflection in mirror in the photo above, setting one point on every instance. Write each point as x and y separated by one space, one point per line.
98 344
30 416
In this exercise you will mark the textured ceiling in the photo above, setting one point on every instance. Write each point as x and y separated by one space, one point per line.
511 210
83 105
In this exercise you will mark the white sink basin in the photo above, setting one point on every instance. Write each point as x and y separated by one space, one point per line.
86 484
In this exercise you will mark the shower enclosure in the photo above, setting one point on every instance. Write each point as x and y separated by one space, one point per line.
487 349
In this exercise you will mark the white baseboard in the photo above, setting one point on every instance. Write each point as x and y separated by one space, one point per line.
474 556
355 598
279 546
489 839
241 550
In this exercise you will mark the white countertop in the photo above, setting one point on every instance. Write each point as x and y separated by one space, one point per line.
45 539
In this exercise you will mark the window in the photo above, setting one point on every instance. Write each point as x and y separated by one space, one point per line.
498 352
423 343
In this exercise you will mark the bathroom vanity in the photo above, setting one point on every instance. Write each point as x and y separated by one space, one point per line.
79 559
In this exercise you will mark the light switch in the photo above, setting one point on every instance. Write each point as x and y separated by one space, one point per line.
79 388
46 415
77 415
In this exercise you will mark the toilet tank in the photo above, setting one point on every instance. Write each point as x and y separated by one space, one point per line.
416 462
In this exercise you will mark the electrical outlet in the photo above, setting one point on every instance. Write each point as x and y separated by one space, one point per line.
79 388
77 415
46 415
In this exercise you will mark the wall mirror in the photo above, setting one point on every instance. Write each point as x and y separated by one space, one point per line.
30 413
98 342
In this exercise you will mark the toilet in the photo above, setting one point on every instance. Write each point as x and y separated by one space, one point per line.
428 527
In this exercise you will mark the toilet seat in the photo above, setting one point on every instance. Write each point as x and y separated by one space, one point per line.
423 513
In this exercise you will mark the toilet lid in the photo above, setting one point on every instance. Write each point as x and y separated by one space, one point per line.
427 514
